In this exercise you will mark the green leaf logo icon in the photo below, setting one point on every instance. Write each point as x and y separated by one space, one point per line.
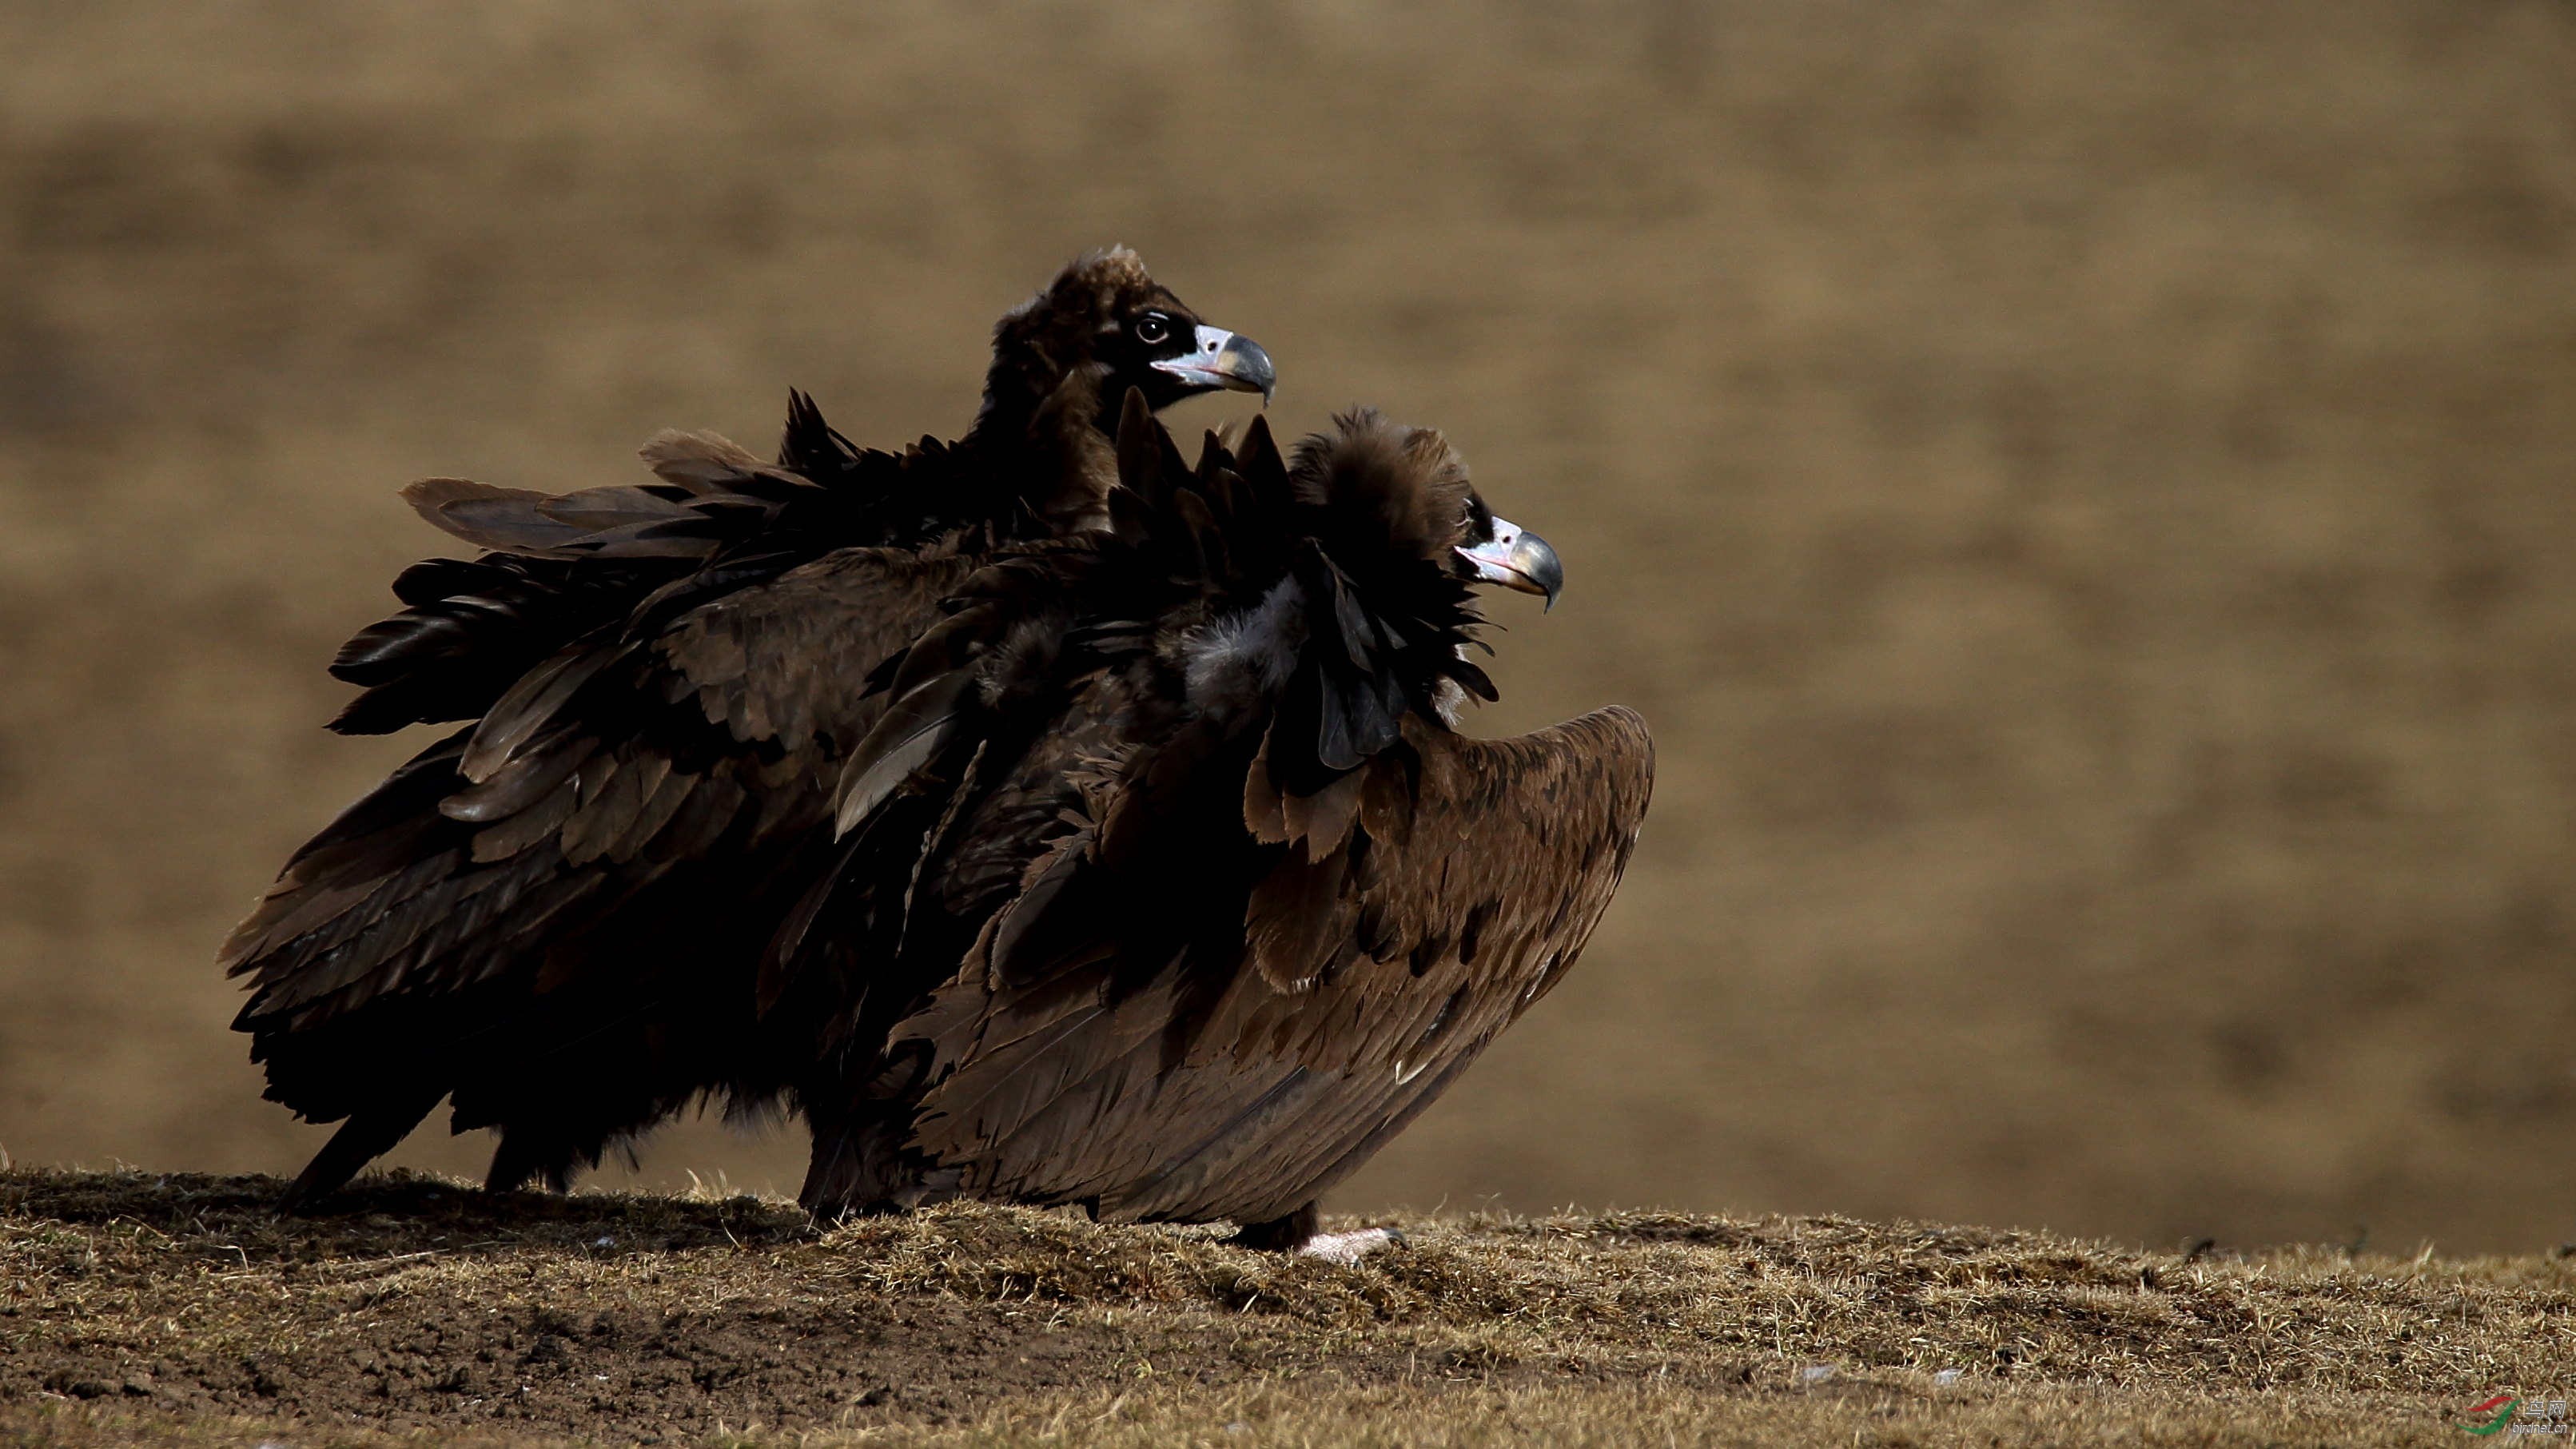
2502 1405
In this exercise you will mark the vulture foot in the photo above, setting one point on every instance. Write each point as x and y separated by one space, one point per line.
1348 1248
1297 1233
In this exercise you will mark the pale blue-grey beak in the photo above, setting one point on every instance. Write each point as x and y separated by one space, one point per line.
1218 358
1517 559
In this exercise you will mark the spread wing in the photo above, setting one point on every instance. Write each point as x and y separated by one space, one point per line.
561 566
1349 957
554 913
613 762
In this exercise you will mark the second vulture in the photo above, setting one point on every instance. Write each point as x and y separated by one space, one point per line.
1170 888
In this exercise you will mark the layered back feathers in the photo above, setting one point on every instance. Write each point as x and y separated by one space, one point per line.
1263 621
1195 895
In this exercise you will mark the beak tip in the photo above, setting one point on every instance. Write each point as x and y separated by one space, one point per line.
1539 561
1250 363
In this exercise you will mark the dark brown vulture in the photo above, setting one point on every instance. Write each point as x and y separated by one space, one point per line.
1234 901
555 916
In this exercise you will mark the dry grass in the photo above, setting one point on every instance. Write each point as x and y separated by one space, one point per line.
138 1307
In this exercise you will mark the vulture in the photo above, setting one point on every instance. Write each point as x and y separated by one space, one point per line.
555 917
1169 887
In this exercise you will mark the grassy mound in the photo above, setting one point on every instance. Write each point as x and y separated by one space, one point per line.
141 1308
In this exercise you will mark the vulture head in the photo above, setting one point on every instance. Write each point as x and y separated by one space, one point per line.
1349 573
1102 328
1386 499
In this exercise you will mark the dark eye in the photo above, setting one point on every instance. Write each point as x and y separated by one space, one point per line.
1153 328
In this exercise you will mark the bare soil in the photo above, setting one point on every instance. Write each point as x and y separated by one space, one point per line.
425 1308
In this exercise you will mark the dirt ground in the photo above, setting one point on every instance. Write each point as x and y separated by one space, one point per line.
147 1304
2081 492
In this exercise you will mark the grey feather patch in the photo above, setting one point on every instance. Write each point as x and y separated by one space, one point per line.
861 797
509 520
520 784
704 462
914 729
593 509
517 717
516 832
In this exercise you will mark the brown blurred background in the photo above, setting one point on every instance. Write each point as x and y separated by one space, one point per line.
2082 493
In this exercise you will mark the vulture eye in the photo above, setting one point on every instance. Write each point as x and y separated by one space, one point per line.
1153 328
1479 522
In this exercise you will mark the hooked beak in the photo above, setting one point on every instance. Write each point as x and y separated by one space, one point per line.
1218 358
1519 560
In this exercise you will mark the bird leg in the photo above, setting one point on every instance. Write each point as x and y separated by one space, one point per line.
860 1168
522 1158
370 1132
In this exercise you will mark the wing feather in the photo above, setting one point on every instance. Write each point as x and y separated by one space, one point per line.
1470 876
594 833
